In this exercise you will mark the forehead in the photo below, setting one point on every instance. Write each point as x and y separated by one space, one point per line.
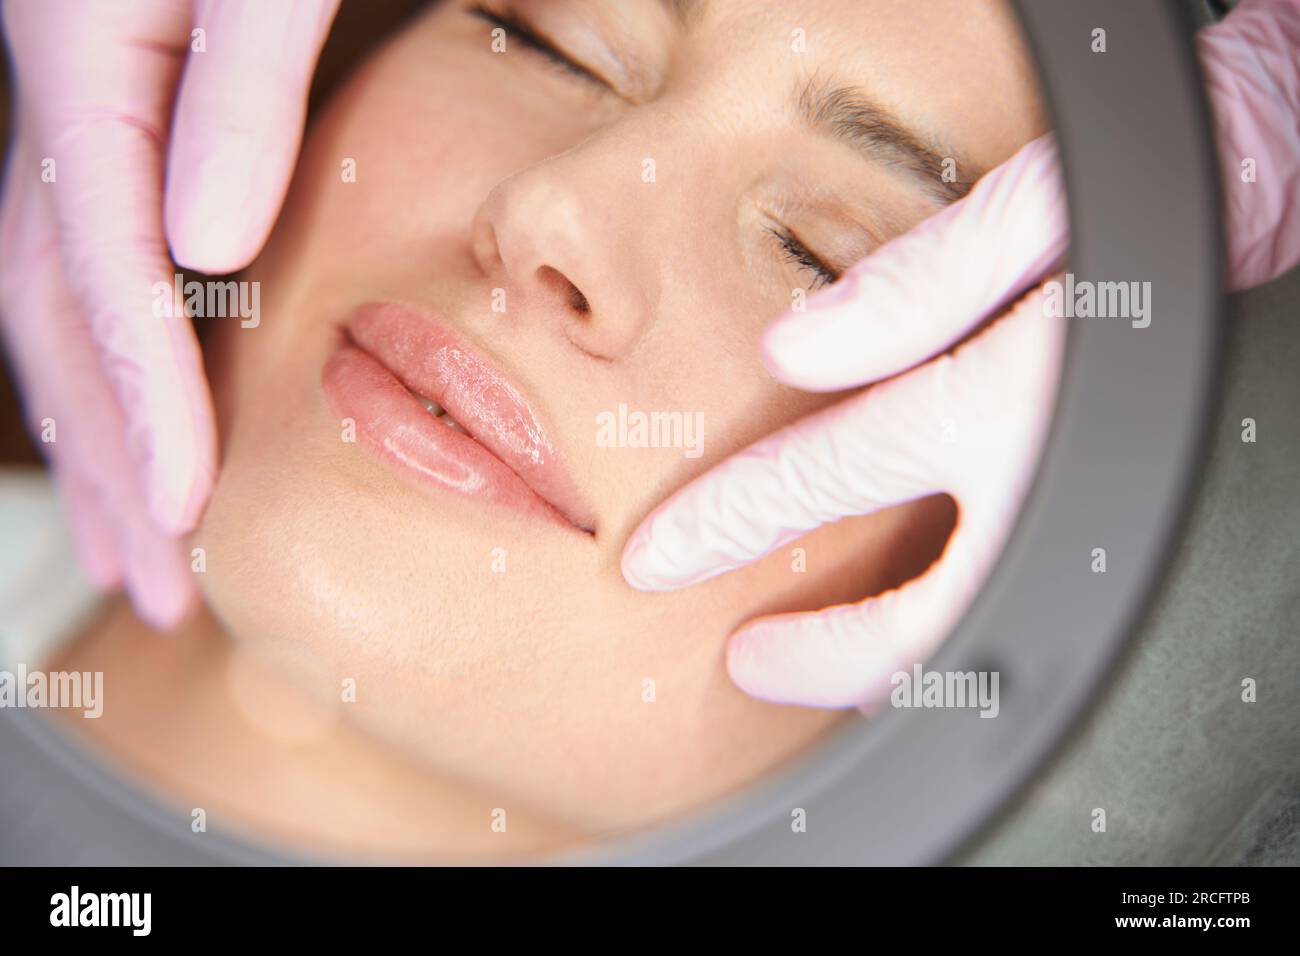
960 69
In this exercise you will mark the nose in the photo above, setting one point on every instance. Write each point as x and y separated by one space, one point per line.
546 236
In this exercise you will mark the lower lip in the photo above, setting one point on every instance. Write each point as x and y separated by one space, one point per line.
390 420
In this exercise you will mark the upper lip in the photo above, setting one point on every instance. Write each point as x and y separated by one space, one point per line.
430 360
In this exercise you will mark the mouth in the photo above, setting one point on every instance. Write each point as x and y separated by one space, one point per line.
440 413
446 417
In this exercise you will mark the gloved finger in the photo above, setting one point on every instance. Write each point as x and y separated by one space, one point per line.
94 530
104 85
820 469
26 276
1251 61
95 536
157 567
69 399
116 539
238 126
925 290
967 423
846 655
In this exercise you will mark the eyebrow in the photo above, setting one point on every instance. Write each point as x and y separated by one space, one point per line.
851 116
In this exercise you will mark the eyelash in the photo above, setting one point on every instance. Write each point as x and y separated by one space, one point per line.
796 252
516 29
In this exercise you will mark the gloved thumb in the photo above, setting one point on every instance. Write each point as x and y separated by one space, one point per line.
238 125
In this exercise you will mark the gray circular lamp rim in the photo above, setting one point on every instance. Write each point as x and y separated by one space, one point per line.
1117 472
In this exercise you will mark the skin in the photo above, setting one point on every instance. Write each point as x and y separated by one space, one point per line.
477 170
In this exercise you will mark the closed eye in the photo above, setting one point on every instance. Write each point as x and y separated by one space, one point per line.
796 252
515 28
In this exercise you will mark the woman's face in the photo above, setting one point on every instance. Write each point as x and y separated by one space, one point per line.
559 236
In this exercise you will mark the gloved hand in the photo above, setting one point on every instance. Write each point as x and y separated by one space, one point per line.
970 423
120 392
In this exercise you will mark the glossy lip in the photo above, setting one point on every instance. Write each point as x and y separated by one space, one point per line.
507 458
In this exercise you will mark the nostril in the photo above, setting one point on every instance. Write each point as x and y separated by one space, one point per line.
554 279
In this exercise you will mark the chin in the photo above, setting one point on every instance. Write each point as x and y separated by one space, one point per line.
317 554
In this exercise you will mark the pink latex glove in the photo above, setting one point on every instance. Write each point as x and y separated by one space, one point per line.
135 448
970 423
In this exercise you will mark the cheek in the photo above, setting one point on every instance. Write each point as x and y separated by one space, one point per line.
413 144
